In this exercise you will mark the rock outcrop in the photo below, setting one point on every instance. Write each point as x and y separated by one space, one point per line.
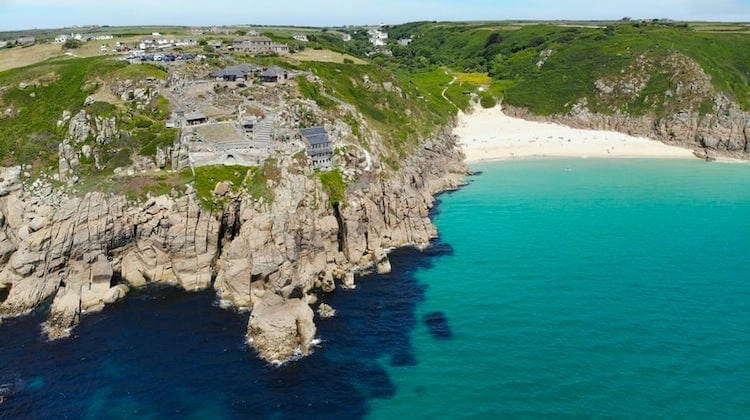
691 114
82 253
725 132
63 252
280 327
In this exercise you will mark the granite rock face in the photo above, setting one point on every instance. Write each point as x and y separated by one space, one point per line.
82 253
723 133
70 251
692 114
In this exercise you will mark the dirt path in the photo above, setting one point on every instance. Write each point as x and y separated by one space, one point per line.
445 89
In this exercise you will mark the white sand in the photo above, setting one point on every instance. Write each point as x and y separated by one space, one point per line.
488 134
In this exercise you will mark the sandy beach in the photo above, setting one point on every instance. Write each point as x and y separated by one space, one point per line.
489 134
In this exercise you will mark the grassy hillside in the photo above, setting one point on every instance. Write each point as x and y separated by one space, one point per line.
547 68
34 99
394 104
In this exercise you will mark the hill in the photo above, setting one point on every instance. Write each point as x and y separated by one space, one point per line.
652 71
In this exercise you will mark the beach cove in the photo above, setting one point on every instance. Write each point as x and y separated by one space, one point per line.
489 134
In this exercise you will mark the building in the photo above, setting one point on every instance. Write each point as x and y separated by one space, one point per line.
233 73
62 38
378 38
195 118
280 48
318 146
26 40
156 42
186 42
300 37
259 45
346 37
253 44
273 75
404 41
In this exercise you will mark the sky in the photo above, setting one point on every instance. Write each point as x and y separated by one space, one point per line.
29 14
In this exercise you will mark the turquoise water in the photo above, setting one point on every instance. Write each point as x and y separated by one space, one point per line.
586 288
558 288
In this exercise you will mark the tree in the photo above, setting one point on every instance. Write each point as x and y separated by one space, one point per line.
72 44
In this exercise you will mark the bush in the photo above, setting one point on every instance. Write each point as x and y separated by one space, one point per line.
72 44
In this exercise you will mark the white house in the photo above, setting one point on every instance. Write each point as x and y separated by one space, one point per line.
186 42
62 38
378 38
300 37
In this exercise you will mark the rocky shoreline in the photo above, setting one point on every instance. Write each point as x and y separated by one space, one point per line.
81 253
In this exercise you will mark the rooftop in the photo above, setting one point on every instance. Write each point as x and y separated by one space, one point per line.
315 135
192 116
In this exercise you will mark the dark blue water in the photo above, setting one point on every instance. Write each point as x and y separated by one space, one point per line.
168 353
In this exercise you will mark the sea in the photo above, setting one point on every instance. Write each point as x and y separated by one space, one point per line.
614 288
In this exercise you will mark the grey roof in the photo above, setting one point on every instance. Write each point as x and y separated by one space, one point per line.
273 72
315 135
257 39
192 116
240 70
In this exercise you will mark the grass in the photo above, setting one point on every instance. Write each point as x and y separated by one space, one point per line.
11 58
473 78
251 179
402 118
312 91
581 54
206 178
326 56
138 187
31 134
334 185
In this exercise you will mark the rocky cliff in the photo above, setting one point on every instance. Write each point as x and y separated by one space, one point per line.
690 113
81 253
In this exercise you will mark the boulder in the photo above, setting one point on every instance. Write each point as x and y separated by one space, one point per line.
278 327
326 311
222 188
349 280
101 271
10 180
64 314
382 264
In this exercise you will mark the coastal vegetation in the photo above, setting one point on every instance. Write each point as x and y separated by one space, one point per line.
391 102
402 93
37 99
334 185
548 67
